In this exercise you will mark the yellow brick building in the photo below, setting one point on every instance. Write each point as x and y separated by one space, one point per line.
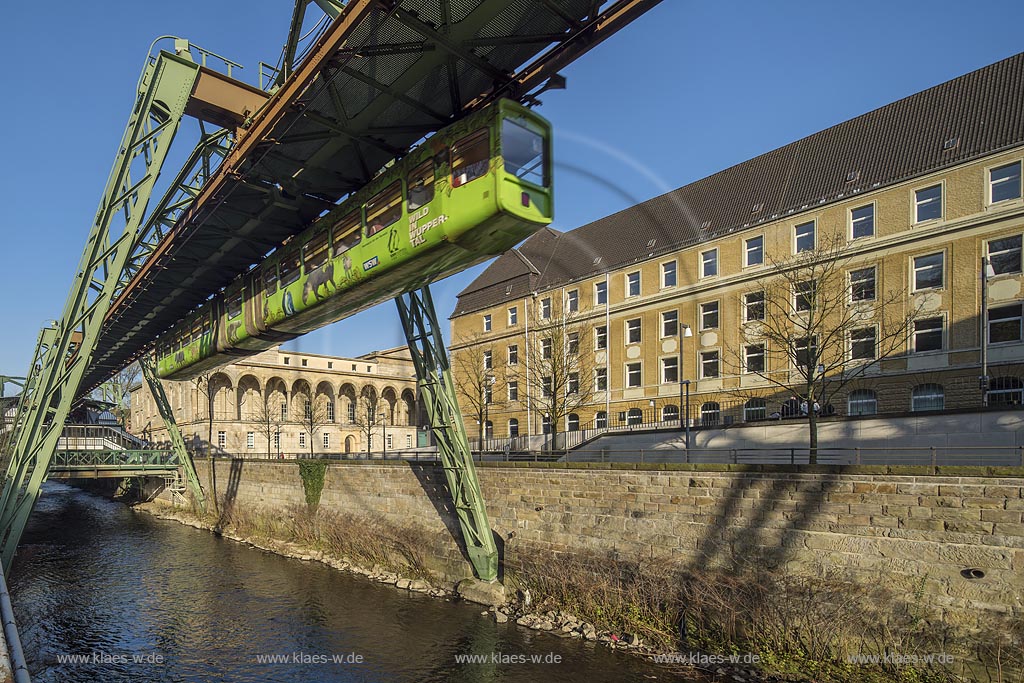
918 191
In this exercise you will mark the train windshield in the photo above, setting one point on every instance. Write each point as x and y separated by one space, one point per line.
523 151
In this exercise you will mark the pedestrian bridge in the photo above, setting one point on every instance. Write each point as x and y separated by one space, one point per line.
106 464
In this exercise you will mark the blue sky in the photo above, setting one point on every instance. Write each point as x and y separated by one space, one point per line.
689 89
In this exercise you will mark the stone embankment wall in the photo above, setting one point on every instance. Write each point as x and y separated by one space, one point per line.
951 538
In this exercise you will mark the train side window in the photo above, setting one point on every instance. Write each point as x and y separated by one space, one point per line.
314 254
270 280
384 208
523 150
290 265
470 156
235 305
421 185
346 233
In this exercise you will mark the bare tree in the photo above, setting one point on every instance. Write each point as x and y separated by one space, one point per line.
267 418
314 418
559 368
117 390
366 417
201 384
821 317
478 377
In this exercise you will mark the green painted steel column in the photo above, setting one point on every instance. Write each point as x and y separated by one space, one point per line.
177 442
430 357
66 349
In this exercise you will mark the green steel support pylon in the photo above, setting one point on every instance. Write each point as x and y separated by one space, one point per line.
177 443
419 320
66 348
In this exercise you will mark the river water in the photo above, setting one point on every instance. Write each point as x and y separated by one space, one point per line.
105 594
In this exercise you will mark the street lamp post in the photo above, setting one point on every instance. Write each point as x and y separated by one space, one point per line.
986 272
684 418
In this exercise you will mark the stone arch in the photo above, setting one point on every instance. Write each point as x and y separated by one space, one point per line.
389 404
247 397
222 393
349 402
351 444
368 401
324 400
301 393
407 406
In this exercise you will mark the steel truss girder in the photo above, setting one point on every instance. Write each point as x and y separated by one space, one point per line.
430 357
65 349
177 442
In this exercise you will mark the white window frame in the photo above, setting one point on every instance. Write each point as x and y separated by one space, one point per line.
1020 250
250 440
599 374
850 343
990 186
634 325
942 334
913 272
914 399
302 439
674 321
327 439
640 374
222 439
572 301
513 316
639 284
918 204
545 308
512 354
746 306
705 261
746 251
666 363
862 399
546 348
513 389
718 363
1019 318
814 236
600 338
853 221
764 358
874 283
668 267
717 312
600 290
488 357
487 323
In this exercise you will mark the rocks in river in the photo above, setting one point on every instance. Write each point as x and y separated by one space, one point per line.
419 586
500 617
403 583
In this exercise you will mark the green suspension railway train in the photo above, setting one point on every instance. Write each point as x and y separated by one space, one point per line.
468 193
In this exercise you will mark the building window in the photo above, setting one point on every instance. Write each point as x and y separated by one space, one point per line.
753 306
927 397
513 316
669 370
601 337
545 349
928 204
862 402
927 335
573 343
669 323
1004 182
513 390
572 385
408 440
633 284
803 295
545 424
806 352
635 416
277 441
330 365
709 263
389 442
1004 255
351 412
287 361
572 300
601 292
862 221
753 358
307 409
545 308
753 251
327 440
755 409
302 439
250 440
709 315
601 420
601 379
513 354
330 410
1004 324
928 271
862 284
487 323
863 344
633 375
670 413
804 236
546 388
668 274
1006 391
488 397
222 440
710 414
513 428
488 360
708 364
633 331
573 422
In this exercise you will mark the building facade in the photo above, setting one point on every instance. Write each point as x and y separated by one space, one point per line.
909 199
282 402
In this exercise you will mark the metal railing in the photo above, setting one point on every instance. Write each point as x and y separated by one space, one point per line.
98 437
126 459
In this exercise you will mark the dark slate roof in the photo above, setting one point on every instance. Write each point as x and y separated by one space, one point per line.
980 111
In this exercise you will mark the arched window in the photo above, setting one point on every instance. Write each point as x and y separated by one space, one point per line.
755 409
348 444
669 412
573 422
927 397
635 416
513 428
710 413
546 424
601 420
862 402
1005 391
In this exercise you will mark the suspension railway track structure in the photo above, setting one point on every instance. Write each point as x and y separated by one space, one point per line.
382 76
